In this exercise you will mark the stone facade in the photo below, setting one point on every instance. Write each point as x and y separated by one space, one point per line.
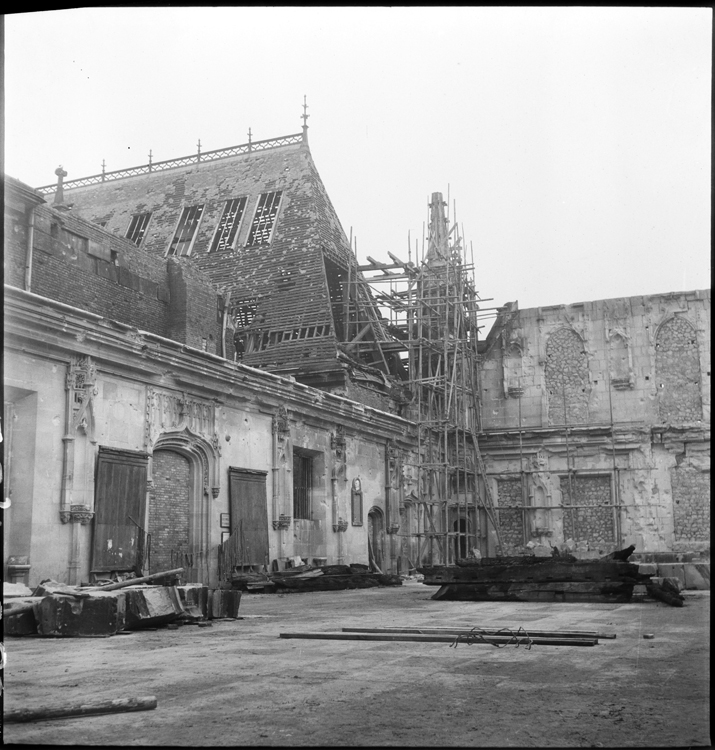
616 395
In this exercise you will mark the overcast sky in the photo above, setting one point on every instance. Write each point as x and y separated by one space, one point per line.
574 141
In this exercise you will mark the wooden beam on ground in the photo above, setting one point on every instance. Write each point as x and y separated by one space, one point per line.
487 631
489 639
89 708
135 581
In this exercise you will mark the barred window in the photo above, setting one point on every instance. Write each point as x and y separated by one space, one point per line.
302 484
138 227
186 230
228 224
264 218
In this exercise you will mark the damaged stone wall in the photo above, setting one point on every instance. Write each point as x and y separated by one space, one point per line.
678 376
595 523
566 376
635 374
511 520
691 512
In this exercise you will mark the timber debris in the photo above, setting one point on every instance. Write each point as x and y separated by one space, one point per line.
556 579
315 578
91 708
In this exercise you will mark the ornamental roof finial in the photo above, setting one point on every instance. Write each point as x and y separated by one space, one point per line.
305 117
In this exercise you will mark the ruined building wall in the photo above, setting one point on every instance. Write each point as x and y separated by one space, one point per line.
80 264
615 397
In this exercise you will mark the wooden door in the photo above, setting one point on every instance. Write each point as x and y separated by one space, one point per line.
249 515
120 496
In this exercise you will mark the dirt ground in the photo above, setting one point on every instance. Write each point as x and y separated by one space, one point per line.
238 683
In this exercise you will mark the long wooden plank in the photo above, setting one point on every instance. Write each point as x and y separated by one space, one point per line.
89 708
487 631
438 638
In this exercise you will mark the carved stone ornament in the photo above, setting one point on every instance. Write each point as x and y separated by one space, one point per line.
280 421
283 522
540 461
65 516
393 528
81 514
337 441
341 525
170 411
214 492
82 385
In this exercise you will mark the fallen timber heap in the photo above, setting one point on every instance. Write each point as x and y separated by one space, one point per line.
314 578
553 579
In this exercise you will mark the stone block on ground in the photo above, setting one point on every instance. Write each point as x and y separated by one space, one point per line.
11 590
151 606
24 623
94 616
697 576
672 570
223 603
648 569
195 596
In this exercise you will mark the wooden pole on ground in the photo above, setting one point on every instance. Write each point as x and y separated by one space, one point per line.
119 705
134 581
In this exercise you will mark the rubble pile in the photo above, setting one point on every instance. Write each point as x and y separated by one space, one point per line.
56 609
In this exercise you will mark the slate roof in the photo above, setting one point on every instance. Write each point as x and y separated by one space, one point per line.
292 327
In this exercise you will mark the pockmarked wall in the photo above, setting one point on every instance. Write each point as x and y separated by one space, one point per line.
85 395
596 423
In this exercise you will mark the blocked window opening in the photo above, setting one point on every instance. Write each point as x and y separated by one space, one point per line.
138 227
264 218
76 242
186 230
302 484
228 224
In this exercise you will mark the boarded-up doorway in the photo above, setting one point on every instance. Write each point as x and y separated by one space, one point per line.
249 516
376 537
120 501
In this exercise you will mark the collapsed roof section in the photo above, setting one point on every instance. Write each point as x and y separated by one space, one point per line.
258 221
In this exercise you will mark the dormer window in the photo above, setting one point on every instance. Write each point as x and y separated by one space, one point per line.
186 230
264 218
228 224
138 227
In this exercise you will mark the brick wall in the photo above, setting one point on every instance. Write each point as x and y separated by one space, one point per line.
677 366
691 504
169 509
16 231
108 278
593 524
193 311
